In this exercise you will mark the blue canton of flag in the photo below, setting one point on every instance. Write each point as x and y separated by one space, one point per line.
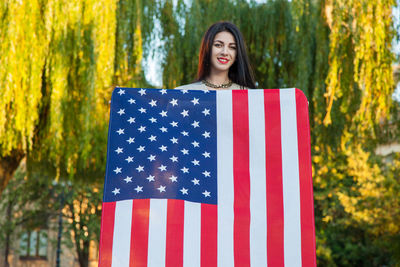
164 146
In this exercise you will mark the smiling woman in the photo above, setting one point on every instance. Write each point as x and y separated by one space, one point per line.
223 60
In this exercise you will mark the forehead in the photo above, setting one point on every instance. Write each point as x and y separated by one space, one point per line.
225 37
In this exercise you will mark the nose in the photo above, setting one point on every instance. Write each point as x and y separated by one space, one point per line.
224 50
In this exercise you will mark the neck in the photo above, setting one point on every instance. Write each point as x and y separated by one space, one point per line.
216 77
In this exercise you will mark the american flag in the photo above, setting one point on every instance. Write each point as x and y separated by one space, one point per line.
208 178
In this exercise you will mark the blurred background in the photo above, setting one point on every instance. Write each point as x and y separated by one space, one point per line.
61 59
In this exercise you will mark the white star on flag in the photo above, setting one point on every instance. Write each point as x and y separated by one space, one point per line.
195 144
152 158
142 92
206 193
162 168
121 112
142 110
129 159
174 159
206 154
163 148
195 101
120 131
117 170
185 113
116 191
153 103
119 150
150 178
140 168
195 181
152 138
139 189
131 120
184 191
174 102
141 148
174 124
132 101
128 179
131 140
206 134
121 92
195 124
206 174
161 188
173 178
206 112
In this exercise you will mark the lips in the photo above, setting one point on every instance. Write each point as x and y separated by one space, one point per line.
223 60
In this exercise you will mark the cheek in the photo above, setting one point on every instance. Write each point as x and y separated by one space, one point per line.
215 51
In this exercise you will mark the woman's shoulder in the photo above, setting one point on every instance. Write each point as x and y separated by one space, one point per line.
236 86
192 86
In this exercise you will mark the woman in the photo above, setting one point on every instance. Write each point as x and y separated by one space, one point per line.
223 61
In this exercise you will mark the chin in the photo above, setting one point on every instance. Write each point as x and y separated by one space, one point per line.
218 67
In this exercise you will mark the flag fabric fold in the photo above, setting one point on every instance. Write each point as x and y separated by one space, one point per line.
208 178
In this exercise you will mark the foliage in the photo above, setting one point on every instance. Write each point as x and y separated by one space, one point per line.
35 201
27 203
59 61
83 212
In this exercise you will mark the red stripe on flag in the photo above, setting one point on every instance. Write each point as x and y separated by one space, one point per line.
107 232
174 236
273 162
241 177
209 234
306 188
139 233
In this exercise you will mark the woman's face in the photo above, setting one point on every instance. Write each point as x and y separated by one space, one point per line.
223 52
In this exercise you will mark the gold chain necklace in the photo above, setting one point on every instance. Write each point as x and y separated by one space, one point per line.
224 85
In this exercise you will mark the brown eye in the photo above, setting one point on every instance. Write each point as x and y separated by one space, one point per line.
233 47
217 45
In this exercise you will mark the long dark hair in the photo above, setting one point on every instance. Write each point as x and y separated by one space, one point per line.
240 72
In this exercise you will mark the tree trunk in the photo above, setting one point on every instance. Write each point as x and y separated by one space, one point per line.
8 235
8 165
83 254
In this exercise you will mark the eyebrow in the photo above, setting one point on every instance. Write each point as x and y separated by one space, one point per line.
223 42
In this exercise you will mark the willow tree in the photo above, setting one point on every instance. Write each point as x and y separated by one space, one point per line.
59 63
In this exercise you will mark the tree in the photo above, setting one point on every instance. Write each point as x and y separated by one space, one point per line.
60 61
26 203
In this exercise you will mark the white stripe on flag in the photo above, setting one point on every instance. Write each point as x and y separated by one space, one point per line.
290 179
225 171
258 197
122 233
157 232
192 234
